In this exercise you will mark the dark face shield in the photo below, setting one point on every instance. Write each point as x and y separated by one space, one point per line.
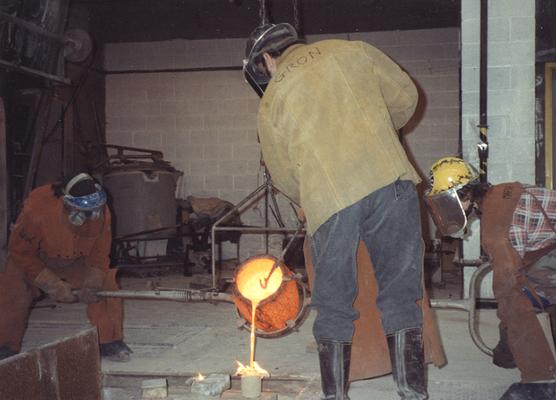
448 213
265 39
256 76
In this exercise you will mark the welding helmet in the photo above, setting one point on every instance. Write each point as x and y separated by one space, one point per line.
266 38
84 198
449 179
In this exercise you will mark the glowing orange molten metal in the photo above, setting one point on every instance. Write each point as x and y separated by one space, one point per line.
278 300
249 279
247 370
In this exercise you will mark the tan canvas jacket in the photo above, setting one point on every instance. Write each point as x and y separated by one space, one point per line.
327 125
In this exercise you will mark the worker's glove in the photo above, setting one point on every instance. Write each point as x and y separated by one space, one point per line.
54 287
92 283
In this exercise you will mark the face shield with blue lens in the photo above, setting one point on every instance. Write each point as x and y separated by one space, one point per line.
86 207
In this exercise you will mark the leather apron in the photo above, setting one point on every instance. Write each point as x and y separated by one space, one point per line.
369 354
515 311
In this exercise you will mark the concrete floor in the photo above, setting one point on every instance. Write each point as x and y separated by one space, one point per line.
175 341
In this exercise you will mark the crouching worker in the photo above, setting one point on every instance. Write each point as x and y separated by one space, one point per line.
60 245
518 233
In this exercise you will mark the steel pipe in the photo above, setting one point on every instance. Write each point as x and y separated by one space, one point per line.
469 304
185 295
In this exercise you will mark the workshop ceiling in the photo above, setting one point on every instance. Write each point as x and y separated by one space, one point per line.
153 20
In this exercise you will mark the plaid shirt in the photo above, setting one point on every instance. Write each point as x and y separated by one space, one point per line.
530 229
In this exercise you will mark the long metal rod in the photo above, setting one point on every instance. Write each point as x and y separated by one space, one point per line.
185 295
168 70
255 229
32 71
483 92
266 222
469 304
150 264
549 69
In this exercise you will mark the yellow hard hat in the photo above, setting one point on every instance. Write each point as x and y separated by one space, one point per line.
448 173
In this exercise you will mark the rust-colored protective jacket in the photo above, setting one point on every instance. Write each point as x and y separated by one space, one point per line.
44 238
327 125
525 336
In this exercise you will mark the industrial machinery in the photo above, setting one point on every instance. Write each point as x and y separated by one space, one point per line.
152 227
141 188
32 39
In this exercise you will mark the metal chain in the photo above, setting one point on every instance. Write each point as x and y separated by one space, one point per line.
262 12
296 14
263 15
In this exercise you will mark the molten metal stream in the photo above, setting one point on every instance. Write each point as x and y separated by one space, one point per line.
253 323
249 285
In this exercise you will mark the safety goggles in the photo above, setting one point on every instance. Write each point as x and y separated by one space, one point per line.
90 202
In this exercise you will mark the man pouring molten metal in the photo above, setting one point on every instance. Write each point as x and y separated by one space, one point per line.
327 124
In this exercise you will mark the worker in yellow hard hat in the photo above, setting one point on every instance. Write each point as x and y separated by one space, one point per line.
518 233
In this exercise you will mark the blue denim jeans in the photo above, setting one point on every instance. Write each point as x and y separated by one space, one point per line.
389 223
542 276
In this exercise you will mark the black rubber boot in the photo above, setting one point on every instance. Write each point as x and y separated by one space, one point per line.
115 351
530 391
501 354
5 352
408 363
334 359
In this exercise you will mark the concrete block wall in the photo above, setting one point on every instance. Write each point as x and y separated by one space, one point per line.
205 121
511 93
511 87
